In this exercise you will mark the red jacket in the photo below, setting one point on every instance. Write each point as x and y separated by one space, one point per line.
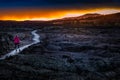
16 40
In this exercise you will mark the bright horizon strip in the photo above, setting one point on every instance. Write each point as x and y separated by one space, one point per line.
45 15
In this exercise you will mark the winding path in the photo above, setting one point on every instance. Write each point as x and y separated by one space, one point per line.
14 52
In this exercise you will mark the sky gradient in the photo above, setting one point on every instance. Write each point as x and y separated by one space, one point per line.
21 10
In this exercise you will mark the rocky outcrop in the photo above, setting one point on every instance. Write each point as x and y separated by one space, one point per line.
6 43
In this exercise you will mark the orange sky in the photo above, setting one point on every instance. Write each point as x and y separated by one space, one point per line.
43 14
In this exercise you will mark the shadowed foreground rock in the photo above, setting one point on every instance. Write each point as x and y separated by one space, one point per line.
5 43
57 66
68 54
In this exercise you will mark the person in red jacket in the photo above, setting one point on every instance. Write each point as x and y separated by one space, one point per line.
17 42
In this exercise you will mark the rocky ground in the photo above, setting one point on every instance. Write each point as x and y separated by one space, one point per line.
67 54
7 36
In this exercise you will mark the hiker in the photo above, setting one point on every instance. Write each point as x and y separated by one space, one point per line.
17 42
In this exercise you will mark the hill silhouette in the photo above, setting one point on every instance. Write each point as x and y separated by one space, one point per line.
90 20
87 20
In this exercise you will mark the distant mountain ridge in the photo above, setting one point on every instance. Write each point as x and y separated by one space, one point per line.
93 15
84 16
90 20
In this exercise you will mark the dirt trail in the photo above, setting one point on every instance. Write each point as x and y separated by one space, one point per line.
14 52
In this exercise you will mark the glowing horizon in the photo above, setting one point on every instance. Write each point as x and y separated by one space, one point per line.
45 15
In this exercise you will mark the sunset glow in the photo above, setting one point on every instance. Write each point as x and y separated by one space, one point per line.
43 14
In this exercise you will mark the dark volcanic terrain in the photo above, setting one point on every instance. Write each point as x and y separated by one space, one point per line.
7 36
68 53
75 52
